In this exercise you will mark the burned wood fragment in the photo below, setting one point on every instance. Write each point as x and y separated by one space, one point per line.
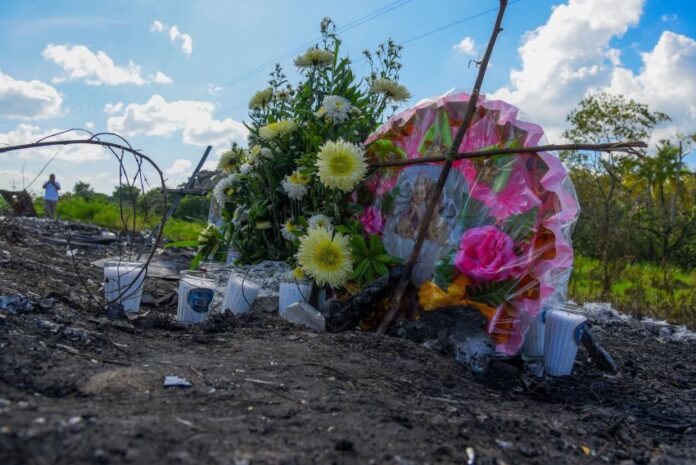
599 355
344 315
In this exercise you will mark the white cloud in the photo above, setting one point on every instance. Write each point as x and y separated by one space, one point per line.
157 26
466 46
27 133
193 118
160 78
566 57
112 108
179 167
668 18
214 89
175 35
96 69
89 125
665 82
27 100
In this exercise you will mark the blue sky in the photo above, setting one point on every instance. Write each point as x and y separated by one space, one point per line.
173 86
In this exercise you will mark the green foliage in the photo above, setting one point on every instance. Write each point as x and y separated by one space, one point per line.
371 260
641 289
84 190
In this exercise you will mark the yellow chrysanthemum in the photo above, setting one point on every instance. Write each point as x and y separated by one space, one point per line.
314 57
299 178
230 160
298 274
325 257
277 129
392 89
261 99
341 165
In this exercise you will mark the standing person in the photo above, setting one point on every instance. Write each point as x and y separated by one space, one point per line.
51 188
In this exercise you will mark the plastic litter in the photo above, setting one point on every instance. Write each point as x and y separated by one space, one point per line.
304 314
475 352
15 303
176 381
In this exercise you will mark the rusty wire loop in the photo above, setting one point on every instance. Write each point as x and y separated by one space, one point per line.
121 150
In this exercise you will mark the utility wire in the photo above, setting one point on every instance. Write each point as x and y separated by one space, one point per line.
349 26
226 110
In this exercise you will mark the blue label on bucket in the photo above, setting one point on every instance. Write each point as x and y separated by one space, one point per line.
199 299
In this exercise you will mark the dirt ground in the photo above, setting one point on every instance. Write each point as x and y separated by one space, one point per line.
76 387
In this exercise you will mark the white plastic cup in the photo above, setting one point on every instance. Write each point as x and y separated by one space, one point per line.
293 291
240 294
533 347
563 332
123 283
196 293
232 256
222 272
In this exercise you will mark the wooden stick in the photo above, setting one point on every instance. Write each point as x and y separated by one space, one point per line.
612 147
435 198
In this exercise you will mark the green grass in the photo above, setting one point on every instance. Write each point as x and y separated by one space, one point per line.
106 213
642 289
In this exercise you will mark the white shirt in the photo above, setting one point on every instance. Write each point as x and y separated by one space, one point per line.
51 191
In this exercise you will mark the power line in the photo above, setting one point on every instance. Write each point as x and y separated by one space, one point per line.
351 25
409 40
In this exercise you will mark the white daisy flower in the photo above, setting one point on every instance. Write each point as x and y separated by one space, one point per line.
320 221
336 108
294 190
290 231
224 189
245 168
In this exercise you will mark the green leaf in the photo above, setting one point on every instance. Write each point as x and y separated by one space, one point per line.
521 227
380 268
445 270
493 294
359 246
360 269
181 244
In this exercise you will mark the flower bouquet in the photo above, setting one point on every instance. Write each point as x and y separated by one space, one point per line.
290 196
499 240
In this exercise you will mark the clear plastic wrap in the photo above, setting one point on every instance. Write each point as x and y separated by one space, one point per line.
500 239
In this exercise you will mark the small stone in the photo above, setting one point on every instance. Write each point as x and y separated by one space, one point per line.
344 445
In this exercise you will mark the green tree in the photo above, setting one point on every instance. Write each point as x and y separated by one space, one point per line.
83 190
605 118
126 193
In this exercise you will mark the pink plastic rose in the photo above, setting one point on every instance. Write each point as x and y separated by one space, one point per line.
372 220
486 254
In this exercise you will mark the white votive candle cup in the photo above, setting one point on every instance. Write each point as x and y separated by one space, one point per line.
196 293
563 332
533 347
293 291
123 283
240 294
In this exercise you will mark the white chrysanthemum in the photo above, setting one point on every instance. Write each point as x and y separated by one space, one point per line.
290 231
391 89
261 99
266 152
320 221
314 57
341 165
336 108
294 190
277 129
245 168
224 189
